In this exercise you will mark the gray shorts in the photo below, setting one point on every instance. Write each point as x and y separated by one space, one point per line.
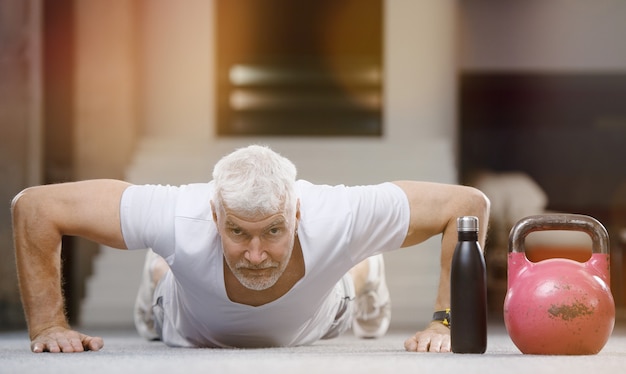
344 290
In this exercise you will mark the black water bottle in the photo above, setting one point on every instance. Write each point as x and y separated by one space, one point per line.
468 286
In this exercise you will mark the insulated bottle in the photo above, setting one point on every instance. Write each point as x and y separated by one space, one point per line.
468 291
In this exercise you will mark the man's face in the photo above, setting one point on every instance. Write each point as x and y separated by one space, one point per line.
257 250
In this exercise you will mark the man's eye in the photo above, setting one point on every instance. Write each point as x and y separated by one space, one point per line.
275 231
236 232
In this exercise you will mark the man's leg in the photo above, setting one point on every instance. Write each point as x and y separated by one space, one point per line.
154 269
372 312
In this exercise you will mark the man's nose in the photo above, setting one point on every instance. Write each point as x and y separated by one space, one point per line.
255 253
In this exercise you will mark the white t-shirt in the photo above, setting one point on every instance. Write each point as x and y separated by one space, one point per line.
339 227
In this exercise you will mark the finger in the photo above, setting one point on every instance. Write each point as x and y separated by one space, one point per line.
445 344
76 344
423 344
440 343
92 343
37 347
40 345
410 344
65 344
434 345
51 346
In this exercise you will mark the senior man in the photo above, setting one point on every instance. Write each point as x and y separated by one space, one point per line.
253 258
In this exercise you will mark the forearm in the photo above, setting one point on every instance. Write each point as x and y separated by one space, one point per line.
37 251
478 207
448 243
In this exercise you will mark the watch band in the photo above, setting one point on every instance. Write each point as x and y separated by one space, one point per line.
443 316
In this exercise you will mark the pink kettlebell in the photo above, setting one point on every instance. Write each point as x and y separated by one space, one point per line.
559 306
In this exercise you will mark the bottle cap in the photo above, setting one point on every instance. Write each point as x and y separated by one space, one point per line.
467 223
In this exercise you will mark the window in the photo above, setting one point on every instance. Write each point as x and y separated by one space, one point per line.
306 67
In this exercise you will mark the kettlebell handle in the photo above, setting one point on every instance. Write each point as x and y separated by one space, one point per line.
571 222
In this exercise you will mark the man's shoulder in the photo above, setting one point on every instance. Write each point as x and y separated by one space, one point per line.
305 186
320 200
167 191
188 200
197 188
194 200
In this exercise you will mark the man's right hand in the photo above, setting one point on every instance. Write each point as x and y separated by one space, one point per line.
61 339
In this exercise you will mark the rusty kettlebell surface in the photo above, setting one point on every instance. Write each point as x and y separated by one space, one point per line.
559 306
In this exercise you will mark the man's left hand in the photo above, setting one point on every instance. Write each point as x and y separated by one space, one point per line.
435 338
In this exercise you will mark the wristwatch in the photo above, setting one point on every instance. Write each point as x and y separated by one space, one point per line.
443 316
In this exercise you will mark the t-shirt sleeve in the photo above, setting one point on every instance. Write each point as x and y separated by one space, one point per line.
379 220
147 216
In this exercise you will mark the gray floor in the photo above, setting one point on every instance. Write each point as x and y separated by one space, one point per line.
125 352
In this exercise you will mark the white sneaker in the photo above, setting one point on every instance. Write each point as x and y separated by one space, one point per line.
144 319
372 312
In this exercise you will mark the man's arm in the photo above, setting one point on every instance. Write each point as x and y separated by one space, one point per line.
42 215
434 210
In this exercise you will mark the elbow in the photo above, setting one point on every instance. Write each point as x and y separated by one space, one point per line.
477 203
14 203
24 204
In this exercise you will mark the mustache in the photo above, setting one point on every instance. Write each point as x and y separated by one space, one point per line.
262 266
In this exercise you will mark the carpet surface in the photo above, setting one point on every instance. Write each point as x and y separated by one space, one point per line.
126 352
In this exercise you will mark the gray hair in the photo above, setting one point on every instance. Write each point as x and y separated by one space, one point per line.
255 181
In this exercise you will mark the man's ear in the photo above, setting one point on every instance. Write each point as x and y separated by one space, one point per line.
298 210
214 212
297 215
